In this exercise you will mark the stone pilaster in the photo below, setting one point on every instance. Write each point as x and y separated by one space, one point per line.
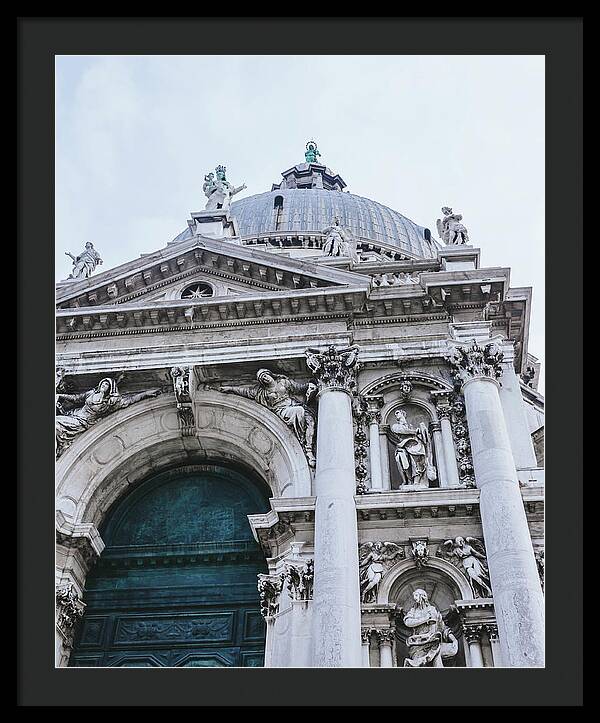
336 601
374 420
518 598
447 451
492 633
78 546
386 638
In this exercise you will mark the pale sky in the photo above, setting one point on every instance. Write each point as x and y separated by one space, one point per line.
135 136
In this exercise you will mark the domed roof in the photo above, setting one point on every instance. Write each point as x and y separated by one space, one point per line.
310 210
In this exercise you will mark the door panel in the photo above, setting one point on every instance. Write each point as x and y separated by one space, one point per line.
176 583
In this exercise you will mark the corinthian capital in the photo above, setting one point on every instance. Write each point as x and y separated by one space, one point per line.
70 608
334 369
472 361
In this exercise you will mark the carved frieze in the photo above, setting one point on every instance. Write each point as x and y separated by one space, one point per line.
361 444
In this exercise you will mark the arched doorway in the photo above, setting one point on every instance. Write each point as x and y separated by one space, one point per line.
176 583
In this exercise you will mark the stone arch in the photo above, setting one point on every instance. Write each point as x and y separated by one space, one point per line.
124 448
397 572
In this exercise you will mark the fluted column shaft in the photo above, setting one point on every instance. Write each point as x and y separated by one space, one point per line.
518 598
336 596
374 418
473 638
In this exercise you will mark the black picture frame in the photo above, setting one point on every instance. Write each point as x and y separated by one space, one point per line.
39 683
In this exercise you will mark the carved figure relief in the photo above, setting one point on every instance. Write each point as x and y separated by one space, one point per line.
70 608
95 404
468 554
431 640
374 560
278 393
419 552
540 561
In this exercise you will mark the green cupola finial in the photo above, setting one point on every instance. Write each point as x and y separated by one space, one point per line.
311 152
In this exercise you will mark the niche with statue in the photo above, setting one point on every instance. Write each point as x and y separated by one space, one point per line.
411 450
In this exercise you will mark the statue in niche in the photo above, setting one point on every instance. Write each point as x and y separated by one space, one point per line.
96 404
431 640
372 564
414 452
469 553
450 229
85 263
218 190
338 241
277 393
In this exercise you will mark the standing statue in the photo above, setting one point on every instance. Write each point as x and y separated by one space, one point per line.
431 640
373 555
312 152
473 561
276 392
338 241
96 404
414 456
85 263
450 229
218 190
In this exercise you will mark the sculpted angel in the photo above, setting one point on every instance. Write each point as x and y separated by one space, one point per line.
431 640
374 555
470 554
277 393
450 229
94 405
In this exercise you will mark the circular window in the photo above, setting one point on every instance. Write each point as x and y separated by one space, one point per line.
197 291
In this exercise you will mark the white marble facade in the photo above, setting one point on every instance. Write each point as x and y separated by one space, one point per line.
393 428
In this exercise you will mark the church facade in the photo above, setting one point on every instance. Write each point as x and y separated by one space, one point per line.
304 433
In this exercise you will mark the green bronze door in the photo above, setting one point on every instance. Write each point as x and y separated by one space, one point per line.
176 583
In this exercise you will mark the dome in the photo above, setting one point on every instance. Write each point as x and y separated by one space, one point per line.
311 210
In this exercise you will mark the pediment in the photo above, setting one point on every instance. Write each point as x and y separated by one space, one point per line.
228 268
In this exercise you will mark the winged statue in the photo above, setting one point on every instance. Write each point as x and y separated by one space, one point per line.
469 553
373 557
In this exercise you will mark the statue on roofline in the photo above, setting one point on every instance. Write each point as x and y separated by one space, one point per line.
312 152
450 228
218 190
85 263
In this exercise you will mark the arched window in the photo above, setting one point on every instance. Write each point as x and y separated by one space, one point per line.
176 583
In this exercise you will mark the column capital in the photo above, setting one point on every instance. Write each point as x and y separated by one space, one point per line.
492 630
472 633
385 636
70 607
334 369
474 361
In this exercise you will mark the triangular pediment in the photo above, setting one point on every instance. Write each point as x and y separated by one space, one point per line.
227 268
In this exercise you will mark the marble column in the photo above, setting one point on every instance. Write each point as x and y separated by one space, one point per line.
513 407
374 420
518 599
336 596
472 635
386 642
